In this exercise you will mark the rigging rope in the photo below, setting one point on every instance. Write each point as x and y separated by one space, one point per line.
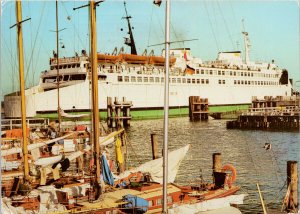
225 23
211 26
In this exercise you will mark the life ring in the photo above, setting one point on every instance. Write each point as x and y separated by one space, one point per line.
229 180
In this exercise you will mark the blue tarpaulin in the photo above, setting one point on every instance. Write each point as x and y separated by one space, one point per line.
139 205
105 170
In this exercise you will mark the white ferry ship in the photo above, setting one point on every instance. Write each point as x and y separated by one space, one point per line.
225 81
228 80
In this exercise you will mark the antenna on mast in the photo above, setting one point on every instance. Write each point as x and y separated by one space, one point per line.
129 41
247 44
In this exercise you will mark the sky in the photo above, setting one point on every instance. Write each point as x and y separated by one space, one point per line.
273 28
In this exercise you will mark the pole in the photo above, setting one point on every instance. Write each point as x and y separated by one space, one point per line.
292 182
58 78
217 162
22 87
261 199
93 61
166 108
154 146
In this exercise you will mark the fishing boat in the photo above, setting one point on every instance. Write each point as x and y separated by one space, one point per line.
140 79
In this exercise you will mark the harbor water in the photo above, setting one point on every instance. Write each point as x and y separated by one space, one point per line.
241 148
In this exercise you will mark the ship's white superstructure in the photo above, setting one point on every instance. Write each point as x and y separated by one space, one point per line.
225 81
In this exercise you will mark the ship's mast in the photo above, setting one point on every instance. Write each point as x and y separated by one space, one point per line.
166 108
58 77
93 61
129 42
247 44
22 86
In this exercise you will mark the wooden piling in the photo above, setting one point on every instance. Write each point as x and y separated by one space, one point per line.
217 162
198 108
292 182
154 146
118 113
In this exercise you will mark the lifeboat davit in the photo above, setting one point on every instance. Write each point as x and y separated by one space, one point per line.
159 60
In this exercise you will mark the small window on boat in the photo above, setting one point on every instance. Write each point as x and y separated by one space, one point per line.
173 80
139 79
245 82
230 73
242 73
178 80
202 81
242 82
248 82
66 77
223 72
145 79
220 82
126 79
234 73
223 81
120 79
239 82
133 79
207 81
255 82
202 71
251 74
156 79
210 72
188 80
151 79
183 80
234 81
219 72
193 81
258 82
198 81
206 72
170 199
102 77
78 77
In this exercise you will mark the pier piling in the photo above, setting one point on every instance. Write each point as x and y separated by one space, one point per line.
217 162
154 146
198 108
118 113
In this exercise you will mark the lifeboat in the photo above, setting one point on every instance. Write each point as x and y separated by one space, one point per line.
159 60
108 58
134 59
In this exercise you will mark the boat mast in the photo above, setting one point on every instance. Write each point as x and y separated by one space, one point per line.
247 44
58 78
166 107
131 42
93 61
22 87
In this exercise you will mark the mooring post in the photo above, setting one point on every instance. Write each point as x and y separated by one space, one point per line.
217 162
154 146
292 182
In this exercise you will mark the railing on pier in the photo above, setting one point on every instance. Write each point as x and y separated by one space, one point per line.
7 124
